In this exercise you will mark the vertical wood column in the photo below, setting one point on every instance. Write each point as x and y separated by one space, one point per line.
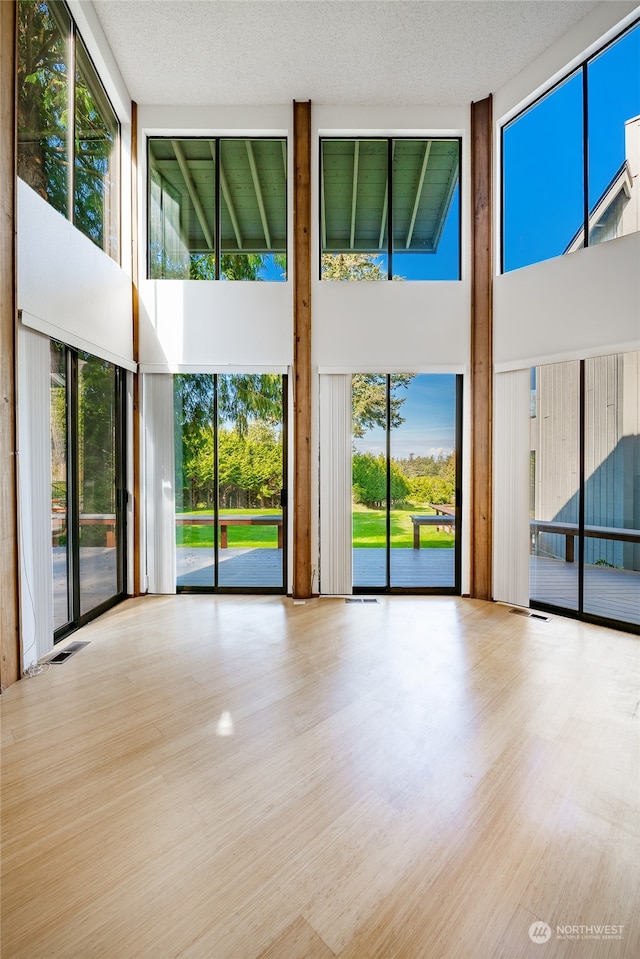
135 318
302 570
10 651
481 350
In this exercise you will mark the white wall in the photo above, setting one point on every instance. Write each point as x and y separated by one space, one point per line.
583 304
67 287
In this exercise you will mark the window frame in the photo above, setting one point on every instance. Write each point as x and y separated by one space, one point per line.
216 139
71 37
582 68
388 250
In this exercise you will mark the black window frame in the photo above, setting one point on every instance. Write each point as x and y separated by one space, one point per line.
390 140
71 39
218 253
580 68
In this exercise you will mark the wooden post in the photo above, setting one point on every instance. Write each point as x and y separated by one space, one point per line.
135 318
10 647
302 578
481 350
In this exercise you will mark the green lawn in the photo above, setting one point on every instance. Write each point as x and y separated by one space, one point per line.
369 529
246 537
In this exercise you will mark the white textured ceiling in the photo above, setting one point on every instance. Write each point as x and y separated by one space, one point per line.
330 51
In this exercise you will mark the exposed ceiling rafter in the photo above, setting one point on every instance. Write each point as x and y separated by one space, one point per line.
259 196
193 193
416 202
226 194
354 192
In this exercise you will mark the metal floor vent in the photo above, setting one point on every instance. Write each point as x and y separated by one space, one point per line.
361 599
67 652
530 615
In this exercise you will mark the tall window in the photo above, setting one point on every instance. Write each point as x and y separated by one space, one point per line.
390 209
68 132
217 209
571 161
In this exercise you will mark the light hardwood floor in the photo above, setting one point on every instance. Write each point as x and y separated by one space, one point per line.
419 778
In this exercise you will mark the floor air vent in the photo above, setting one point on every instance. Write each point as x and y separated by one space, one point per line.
67 652
530 615
361 599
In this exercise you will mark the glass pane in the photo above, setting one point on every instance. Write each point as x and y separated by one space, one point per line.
612 487
555 485
423 480
614 139
96 189
59 488
426 210
195 478
354 214
543 177
369 464
253 209
182 193
44 134
250 480
97 414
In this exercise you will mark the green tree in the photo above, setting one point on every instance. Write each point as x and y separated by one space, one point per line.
370 480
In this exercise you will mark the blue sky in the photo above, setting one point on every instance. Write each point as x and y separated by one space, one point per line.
429 414
543 153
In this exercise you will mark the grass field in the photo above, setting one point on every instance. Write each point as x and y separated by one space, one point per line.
369 530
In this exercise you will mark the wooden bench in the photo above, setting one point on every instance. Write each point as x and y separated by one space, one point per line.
570 531
249 519
425 519
59 525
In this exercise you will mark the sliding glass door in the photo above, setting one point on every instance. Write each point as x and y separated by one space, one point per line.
87 488
406 519
585 452
230 469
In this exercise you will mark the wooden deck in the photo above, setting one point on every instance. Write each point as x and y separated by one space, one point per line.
612 593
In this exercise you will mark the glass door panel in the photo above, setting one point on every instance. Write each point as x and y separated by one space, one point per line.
193 396
423 483
59 486
612 488
250 480
369 465
555 478
97 482
230 468
405 477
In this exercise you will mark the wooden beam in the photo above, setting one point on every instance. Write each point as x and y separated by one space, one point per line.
10 646
135 316
302 568
481 350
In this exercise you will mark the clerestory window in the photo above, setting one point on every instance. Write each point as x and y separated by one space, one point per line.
68 132
217 208
390 209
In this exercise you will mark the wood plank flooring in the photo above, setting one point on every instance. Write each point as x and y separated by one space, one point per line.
226 777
